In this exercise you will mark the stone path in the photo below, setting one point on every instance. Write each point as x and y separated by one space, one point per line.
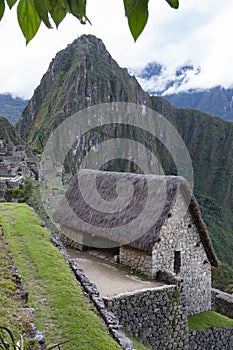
108 277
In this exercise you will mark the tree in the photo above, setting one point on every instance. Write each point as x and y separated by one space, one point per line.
31 13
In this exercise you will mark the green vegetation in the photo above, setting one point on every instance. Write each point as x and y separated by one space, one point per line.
8 342
222 277
20 194
12 313
176 296
219 221
214 101
106 78
61 310
36 150
208 319
137 344
32 12
8 133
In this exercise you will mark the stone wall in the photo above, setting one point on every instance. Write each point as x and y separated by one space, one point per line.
136 259
156 316
4 170
222 303
216 339
179 234
71 238
2 190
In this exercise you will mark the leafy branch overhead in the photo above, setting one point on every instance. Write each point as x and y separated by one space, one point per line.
31 13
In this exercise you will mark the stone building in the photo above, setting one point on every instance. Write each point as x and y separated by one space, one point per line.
158 226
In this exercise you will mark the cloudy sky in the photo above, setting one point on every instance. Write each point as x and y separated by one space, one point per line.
200 32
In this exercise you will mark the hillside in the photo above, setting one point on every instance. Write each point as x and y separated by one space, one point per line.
215 101
11 107
84 74
8 132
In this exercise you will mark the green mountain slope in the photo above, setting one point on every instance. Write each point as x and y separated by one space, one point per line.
84 74
214 101
8 132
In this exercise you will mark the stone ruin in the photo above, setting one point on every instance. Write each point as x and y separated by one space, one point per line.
17 162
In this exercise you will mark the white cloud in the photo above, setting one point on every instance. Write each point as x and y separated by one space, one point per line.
200 32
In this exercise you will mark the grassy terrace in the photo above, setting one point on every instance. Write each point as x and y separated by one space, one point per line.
61 310
207 319
12 312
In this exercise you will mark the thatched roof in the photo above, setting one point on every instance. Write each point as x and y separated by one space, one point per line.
127 208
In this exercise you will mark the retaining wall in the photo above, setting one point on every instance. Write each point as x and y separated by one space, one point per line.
222 303
211 339
156 316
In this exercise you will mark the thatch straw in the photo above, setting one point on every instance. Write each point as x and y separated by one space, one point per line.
135 216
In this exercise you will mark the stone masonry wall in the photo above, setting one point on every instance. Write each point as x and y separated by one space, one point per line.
216 339
71 238
136 259
156 316
179 234
2 191
222 303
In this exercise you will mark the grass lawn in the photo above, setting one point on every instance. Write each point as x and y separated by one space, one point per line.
61 310
12 311
207 319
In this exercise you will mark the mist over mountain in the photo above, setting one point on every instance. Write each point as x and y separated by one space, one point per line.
84 74
158 79
11 107
173 85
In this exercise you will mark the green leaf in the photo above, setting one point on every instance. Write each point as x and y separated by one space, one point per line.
29 20
58 10
137 13
11 3
78 9
42 11
11 336
173 3
2 8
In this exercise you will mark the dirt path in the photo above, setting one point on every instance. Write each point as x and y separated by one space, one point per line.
109 279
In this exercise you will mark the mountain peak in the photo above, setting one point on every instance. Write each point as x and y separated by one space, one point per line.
82 75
